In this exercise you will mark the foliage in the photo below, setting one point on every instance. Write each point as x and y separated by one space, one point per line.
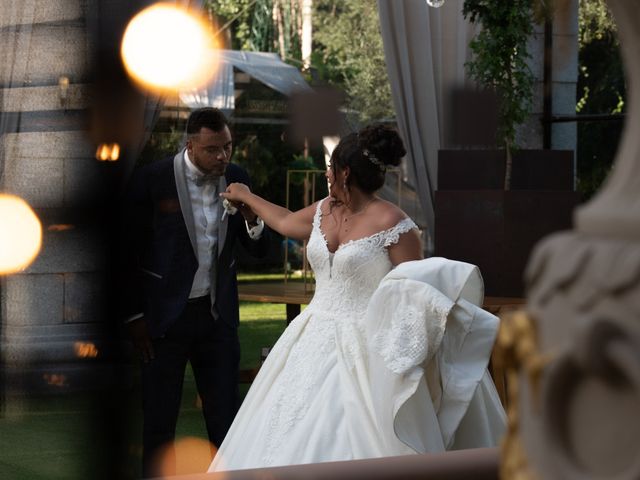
348 52
267 158
255 158
354 63
253 27
601 90
262 31
500 58
595 21
161 144
300 162
238 14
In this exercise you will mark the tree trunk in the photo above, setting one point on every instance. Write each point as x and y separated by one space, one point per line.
306 37
277 20
508 166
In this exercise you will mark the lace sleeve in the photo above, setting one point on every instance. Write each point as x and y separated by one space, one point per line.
411 318
392 235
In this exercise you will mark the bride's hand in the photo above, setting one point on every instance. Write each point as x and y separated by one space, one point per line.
236 193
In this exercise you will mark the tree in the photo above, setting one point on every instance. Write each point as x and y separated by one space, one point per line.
262 25
306 36
348 53
601 90
232 20
499 62
353 63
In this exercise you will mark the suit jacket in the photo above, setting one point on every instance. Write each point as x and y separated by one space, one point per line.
159 216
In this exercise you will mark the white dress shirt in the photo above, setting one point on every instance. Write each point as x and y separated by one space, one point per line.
204 204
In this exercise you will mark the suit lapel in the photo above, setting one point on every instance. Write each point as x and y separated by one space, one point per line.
223 224
184 198
222 235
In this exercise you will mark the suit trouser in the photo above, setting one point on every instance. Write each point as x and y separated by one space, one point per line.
213 349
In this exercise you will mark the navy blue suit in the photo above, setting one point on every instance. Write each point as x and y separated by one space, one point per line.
160 221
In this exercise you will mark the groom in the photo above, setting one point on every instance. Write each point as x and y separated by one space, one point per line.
183 303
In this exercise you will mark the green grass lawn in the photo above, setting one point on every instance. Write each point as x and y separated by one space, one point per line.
260 326
56 437
46 440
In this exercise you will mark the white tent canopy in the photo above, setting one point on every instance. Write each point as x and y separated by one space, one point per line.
265 67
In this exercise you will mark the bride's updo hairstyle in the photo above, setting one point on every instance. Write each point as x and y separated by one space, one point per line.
368 153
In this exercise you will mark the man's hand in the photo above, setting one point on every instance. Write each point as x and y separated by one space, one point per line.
141 339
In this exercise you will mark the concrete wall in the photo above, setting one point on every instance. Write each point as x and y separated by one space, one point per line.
564 80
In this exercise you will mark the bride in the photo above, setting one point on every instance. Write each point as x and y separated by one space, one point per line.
316 398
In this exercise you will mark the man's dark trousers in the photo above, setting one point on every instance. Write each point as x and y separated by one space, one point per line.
213 349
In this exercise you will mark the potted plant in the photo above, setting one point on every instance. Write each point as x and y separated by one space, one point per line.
493 204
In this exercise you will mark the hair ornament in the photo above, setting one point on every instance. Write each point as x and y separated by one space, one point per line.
373 159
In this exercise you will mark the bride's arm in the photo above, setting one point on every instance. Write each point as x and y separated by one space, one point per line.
409 247
296 225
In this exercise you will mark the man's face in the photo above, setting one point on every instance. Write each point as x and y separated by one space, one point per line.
210 151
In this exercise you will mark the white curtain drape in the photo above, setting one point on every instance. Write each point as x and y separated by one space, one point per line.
425 50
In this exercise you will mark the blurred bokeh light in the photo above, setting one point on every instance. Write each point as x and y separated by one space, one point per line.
21 235
188 455
108 152
55 379
167 48
85 349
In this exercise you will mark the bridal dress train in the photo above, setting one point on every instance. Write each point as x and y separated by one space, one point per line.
381 362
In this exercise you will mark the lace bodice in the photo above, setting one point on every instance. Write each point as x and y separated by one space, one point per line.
346 278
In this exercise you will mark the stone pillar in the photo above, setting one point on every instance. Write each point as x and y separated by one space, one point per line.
52 312
580 388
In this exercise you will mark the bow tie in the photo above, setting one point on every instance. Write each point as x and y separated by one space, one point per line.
201 180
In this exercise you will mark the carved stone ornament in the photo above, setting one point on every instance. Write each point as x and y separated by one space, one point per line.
582 420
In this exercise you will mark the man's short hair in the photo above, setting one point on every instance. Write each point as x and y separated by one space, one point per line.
207 117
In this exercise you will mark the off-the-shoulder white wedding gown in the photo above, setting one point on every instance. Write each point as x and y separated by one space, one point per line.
313 399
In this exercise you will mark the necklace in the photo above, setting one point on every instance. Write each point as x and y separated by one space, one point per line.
347 217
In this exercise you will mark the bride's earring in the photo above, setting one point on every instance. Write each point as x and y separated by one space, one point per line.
347 192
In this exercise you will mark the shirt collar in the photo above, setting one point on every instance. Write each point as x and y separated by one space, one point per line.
192 171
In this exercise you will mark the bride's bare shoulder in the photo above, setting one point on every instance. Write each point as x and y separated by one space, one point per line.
387 214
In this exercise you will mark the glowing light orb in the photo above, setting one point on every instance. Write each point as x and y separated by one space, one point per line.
167 48
20 234
187 456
